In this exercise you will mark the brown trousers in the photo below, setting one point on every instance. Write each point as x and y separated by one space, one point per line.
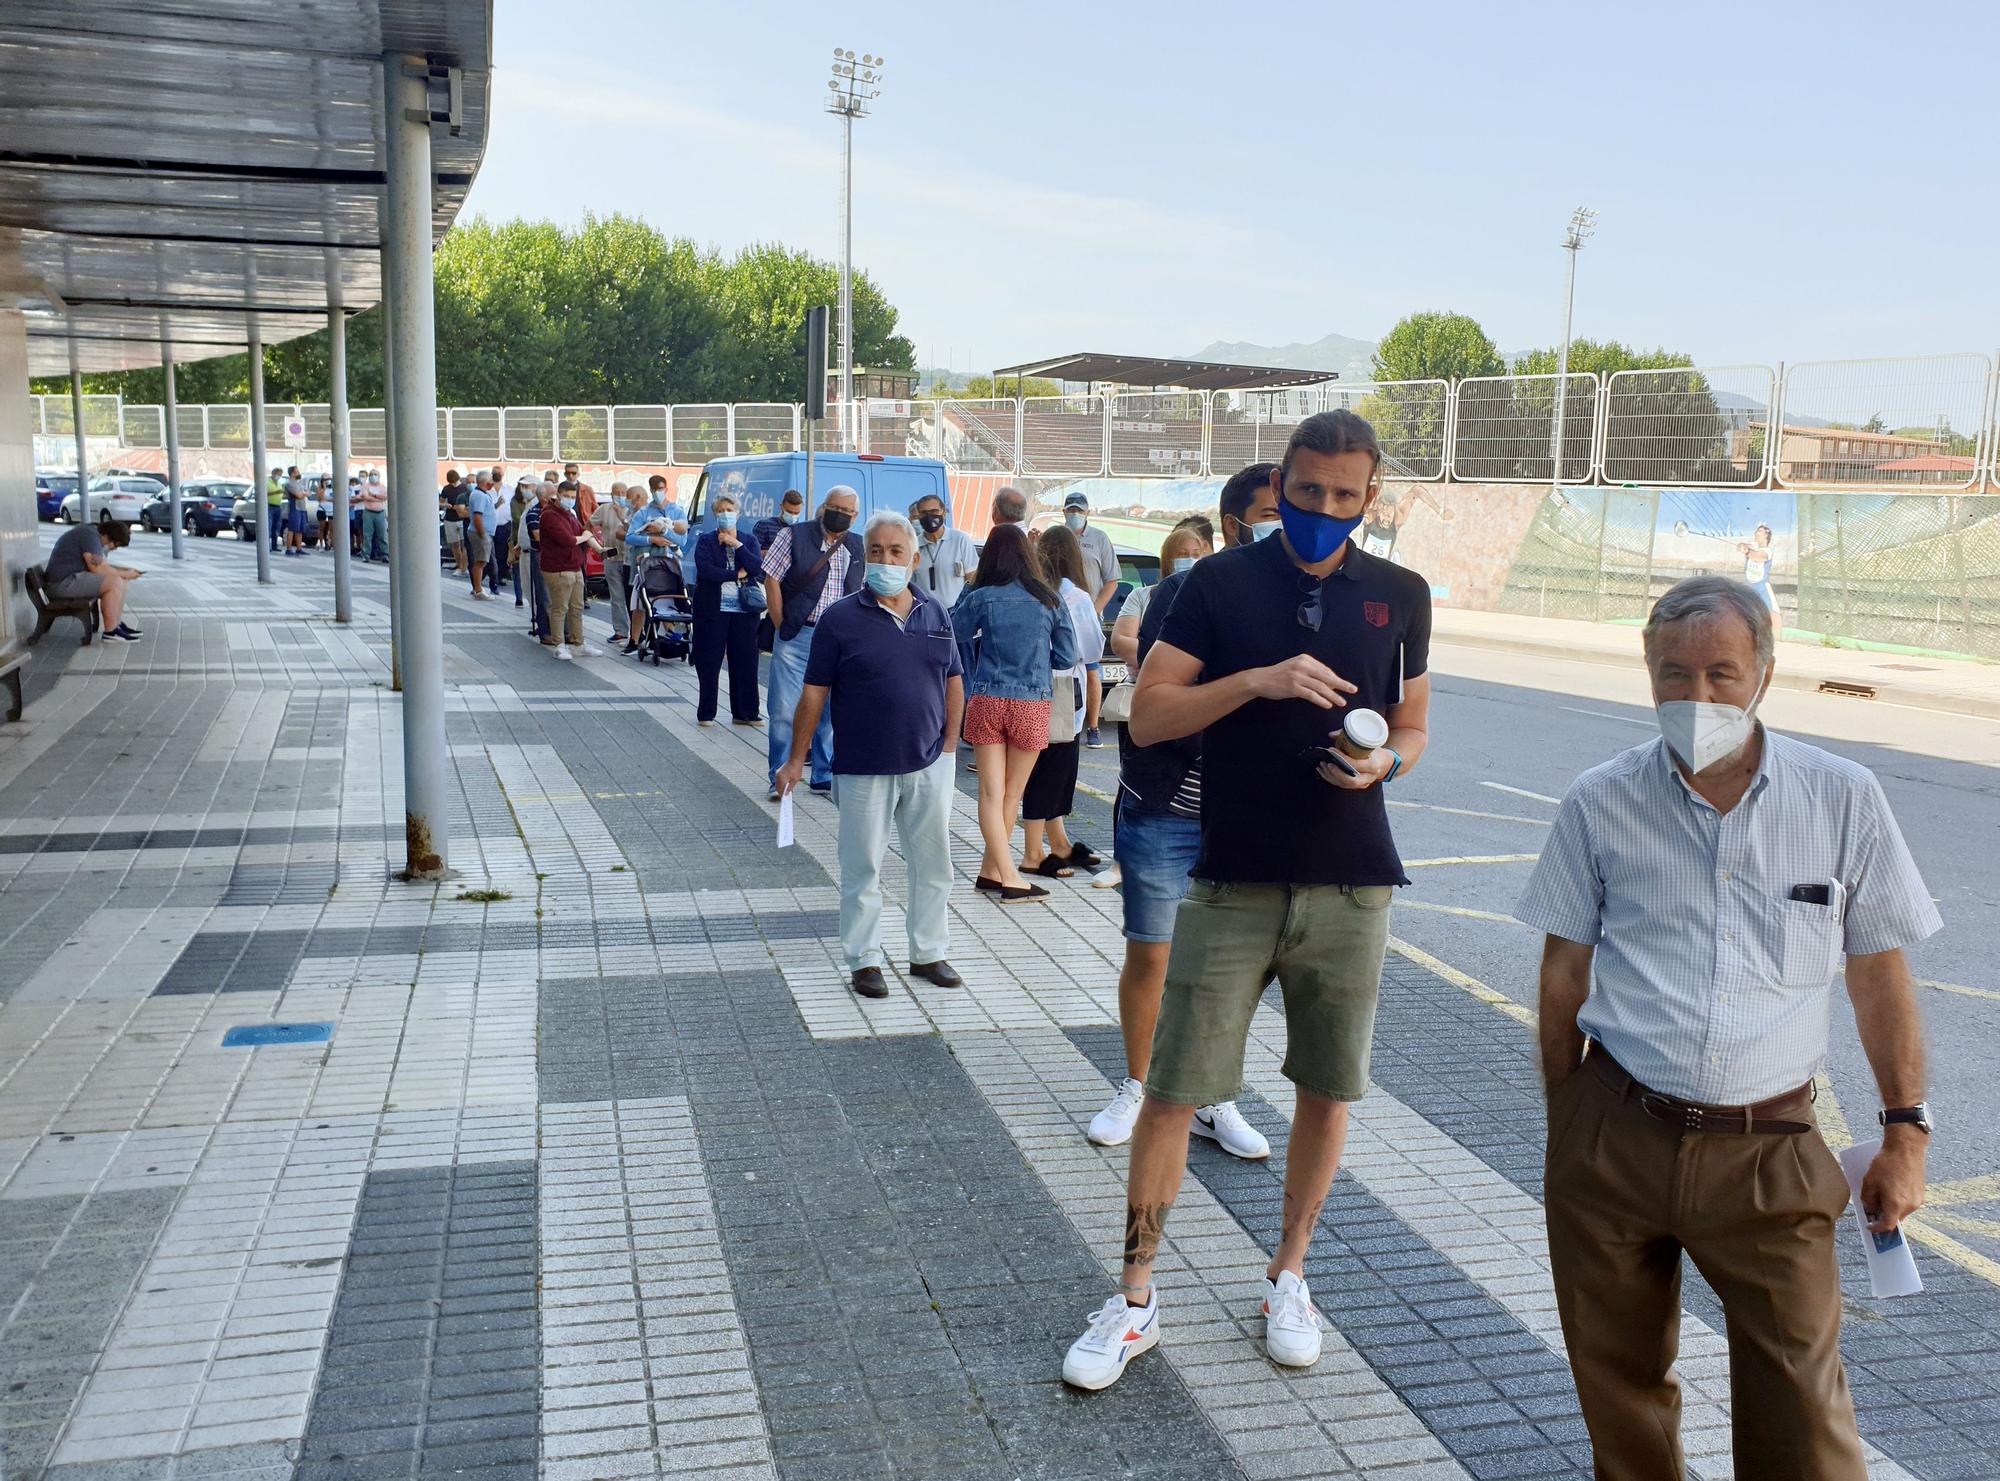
1625 1196
565 606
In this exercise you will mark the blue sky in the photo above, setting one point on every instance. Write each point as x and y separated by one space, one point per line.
1791 181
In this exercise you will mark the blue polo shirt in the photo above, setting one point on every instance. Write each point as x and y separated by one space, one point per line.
887 681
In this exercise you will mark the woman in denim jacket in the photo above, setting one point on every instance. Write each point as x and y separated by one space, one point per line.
1013 634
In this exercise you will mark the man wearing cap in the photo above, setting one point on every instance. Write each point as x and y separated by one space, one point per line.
1100 571
1697 894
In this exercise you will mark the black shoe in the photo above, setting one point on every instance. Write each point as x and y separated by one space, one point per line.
939 973
822 789
127 630
868 983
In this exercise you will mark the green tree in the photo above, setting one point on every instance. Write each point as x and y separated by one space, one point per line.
1663 428
981 388
1436 346
1427 346
611 312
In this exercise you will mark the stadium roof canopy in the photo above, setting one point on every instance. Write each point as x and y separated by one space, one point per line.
170 171
1192 375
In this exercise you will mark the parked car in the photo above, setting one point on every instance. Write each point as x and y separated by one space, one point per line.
122 498
247 517
206 508
51 486
1136 568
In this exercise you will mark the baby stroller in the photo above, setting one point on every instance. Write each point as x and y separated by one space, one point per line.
662 595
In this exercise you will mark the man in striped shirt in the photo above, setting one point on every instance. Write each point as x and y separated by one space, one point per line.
1699 892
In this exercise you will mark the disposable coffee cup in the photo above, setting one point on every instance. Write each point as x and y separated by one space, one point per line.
1360 733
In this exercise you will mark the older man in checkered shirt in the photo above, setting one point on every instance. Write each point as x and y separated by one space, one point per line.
1699 893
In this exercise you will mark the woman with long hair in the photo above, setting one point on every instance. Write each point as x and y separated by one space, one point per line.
1050 795
1013 636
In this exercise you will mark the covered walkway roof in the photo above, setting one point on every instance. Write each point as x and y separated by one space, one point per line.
172 170
1192 375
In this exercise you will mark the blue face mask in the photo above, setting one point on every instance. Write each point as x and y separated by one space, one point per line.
1075 520
792 517
1314 536
1183 563
725 519
1263 531
567 503
887 581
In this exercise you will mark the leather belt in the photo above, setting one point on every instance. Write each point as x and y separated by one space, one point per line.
1687 1115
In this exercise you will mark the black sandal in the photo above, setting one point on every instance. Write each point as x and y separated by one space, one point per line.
1009 895
1080 857
1051 867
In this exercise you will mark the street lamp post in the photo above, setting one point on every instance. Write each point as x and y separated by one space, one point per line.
1582 222
849 92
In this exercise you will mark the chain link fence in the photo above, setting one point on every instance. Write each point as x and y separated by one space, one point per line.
1917 570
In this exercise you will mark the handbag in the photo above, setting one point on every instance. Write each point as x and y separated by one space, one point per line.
1062 708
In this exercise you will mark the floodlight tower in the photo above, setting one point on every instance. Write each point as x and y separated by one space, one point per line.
849 92
1582 222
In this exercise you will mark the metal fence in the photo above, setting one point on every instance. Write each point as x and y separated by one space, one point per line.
1923 423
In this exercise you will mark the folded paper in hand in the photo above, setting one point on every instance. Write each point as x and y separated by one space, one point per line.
1891 1270
785 839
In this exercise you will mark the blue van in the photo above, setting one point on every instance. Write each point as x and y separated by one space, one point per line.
758 482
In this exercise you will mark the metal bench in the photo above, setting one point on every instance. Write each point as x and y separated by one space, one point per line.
49 608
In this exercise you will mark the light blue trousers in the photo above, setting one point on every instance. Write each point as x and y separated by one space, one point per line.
919 803
788 682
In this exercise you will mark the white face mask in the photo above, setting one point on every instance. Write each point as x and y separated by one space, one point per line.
1703 734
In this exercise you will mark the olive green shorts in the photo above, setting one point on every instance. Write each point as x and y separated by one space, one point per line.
1323 943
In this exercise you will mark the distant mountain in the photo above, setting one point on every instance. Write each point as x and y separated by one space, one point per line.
1347 357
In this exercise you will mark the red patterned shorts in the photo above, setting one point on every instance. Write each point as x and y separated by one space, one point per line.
1021 724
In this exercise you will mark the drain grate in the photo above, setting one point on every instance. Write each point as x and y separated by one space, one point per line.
253 1035
1842 687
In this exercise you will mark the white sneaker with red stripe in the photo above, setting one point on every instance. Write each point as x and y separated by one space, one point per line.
1291 1322
1117 1333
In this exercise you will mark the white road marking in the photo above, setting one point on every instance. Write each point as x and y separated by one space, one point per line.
1523 792
1602 715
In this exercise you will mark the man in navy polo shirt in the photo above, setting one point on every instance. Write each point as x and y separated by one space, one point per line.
886 659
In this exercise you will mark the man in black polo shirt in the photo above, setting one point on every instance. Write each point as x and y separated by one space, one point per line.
1266 646
886 658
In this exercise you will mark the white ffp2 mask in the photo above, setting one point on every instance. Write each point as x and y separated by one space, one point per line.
1702 734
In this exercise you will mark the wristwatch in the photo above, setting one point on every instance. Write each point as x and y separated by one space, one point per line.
1918 1115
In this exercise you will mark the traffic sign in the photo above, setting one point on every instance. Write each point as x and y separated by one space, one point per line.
295 432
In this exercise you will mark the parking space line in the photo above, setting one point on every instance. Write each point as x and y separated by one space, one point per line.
1523 792
1487 995
1464 910
1466 812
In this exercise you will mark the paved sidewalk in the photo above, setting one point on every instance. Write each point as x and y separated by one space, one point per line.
605 1173
1962 685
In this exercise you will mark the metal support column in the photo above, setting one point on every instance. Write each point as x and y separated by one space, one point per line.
392 471
260 473
336 374
82 455
406 262
173 431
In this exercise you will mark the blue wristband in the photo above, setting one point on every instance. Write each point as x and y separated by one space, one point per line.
1394 766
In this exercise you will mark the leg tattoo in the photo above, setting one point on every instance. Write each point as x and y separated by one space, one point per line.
1143 1226
1298 1217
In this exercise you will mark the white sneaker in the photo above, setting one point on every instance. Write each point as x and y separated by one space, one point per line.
1112 1126
1117 1333
1291 1322
562 650
1110 879
590 652
1224 1125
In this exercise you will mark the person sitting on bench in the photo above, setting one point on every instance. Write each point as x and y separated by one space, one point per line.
77 570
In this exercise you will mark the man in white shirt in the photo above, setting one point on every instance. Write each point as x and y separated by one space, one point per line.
946 555
1699 892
